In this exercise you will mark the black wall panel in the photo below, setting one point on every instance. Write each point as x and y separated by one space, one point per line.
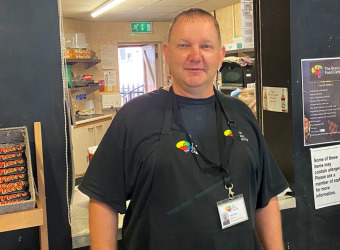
315 33
31 90
275 72
313 30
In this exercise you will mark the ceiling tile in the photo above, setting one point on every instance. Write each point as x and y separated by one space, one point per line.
150 16
124 8
216 3
84 5
139 2
184 3
77 16
160 9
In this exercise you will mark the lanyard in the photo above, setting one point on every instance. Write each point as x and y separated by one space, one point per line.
223 142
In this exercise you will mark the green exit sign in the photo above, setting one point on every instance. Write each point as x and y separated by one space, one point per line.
141 27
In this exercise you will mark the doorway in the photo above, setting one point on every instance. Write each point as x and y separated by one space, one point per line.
140 69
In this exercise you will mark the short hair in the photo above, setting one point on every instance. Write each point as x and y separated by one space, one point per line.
195 13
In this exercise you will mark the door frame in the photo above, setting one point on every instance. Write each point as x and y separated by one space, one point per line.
161 68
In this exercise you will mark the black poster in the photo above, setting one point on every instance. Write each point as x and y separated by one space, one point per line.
321 100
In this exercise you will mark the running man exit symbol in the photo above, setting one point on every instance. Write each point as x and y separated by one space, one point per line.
141 27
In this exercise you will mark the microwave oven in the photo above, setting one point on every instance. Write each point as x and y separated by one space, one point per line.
235 75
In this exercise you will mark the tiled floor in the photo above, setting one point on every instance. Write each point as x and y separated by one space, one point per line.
79 220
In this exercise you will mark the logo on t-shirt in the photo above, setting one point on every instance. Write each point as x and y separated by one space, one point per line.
228 132
186 147
241 136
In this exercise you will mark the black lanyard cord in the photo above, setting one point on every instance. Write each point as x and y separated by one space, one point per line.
229 140
222 147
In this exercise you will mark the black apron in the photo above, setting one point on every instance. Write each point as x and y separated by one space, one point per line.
181 211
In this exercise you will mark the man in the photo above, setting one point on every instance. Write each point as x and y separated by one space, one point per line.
184 156
225 220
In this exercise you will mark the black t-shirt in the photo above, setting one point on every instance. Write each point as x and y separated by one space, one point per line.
123 168
199 119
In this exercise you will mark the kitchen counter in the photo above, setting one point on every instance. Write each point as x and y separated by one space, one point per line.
81 119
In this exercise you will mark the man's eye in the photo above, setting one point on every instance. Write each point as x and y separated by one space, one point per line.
183 45
206 46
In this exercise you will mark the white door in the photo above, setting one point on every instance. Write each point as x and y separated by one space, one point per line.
150 63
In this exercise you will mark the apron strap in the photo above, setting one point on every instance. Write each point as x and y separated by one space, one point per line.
167 122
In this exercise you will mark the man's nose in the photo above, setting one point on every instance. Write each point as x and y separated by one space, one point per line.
195 54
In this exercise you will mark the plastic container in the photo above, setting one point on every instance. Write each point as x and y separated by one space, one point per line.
75 41
69 75
91 151
89 105
19 136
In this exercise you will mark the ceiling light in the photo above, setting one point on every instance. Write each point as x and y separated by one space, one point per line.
106 6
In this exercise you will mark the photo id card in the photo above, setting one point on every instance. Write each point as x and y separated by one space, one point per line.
232 211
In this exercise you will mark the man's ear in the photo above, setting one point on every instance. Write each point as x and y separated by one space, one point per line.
222 54
166 52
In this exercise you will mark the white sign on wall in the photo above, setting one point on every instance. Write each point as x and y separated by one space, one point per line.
108 55
110 80
326 176
275 99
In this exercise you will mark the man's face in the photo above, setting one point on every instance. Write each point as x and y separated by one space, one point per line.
193 55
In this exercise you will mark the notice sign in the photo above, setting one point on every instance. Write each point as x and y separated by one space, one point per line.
108 55
326 176
275 99
109 80
321 100
80 97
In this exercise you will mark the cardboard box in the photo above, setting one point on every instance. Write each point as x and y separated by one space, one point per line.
18 136
78 54
242 42
230 46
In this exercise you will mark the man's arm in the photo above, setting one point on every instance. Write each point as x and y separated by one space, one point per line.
103 224
268 226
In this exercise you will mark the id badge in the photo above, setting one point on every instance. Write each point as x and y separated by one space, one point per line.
232 212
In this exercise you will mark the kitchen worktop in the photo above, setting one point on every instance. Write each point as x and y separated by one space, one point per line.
81 119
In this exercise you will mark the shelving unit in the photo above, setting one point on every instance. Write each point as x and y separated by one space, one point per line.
88 89
37 216
230 87
238 51
88 63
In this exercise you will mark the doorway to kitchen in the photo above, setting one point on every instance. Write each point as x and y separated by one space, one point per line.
139 69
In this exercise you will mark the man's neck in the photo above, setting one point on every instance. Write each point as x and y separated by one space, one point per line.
194 92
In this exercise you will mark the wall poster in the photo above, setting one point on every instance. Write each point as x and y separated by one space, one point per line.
108 53
326 176
321 100
109 80
275 99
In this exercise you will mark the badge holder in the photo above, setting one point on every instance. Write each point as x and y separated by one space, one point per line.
232 211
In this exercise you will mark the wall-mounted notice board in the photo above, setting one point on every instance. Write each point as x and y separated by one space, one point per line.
321 100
